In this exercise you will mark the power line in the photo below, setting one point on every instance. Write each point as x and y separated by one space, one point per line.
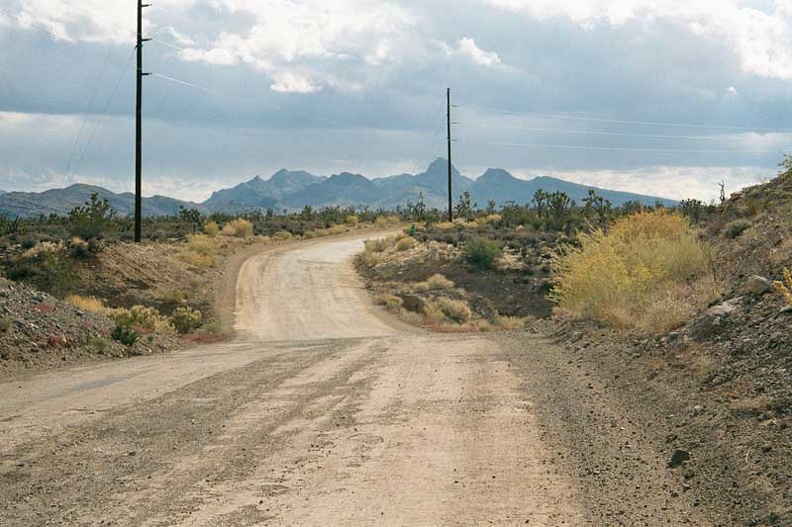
104 111
593 132
88 110
621 121
625 148
184 83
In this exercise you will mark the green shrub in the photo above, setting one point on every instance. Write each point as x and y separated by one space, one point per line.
185 319
124 334
482 252
736 228
142 316
99 344
92 219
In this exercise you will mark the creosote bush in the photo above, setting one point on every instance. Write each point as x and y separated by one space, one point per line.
482 252
186 319
649 271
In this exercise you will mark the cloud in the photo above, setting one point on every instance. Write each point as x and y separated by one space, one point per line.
468 48
321 36
88 20
732 91
288 82
760 39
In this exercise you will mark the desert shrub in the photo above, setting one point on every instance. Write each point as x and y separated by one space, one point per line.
79 248
736 228
352 219
200 251
434 314
211 228
99 344
91 219
636 275
241 228
456 310
482 252
50 270
510 322
784 287
283 235
394 303
411 317
142 317
378 245
405 243
185 319
371 259
124 334
89 304
6 323
172 296
436 282
386 221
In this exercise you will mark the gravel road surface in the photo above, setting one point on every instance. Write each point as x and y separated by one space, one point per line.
326 412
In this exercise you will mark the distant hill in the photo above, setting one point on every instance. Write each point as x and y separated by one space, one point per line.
260 194
292 190
342 189
61 201
498 185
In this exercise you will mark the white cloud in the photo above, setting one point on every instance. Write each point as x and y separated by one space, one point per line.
314 34
732 91
761 40
87 20
288 82
468 48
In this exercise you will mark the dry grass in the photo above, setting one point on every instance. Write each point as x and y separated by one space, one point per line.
405 243
436 282
201 251
510 323
241 228
89 304
456 310
638 274
211 228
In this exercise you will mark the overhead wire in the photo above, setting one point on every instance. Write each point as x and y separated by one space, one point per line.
88 110
628 148
623 121
103 115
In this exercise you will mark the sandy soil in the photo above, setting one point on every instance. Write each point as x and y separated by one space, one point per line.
326 412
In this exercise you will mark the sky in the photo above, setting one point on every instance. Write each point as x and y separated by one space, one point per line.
661 97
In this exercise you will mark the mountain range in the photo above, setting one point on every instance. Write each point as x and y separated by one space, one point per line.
292 190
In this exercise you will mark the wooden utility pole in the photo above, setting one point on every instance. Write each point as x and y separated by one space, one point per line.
448 122
139 119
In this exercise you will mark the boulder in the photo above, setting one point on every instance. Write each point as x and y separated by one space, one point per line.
758 285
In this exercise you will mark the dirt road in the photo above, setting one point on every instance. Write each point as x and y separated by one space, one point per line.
324 412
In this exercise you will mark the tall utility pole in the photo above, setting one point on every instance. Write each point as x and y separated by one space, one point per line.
448 120
139 118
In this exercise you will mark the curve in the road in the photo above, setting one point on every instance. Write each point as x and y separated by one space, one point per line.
305 294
